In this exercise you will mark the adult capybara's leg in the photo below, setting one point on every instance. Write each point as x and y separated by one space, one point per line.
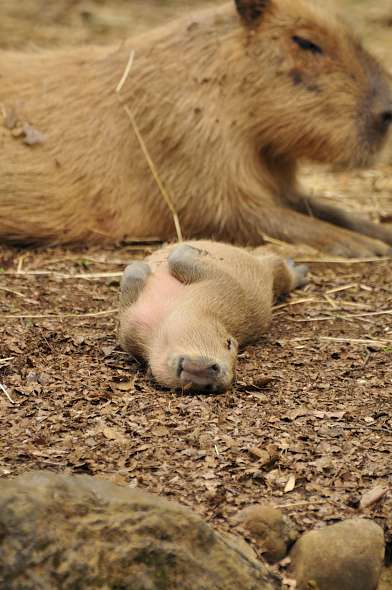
290 226
132 282
346 219
189 264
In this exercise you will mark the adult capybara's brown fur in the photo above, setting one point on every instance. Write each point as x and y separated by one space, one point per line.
188 307
227 101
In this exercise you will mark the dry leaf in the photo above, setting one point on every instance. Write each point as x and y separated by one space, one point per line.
127 386
290 485
369 420
289 583
259 453
372 497
113 434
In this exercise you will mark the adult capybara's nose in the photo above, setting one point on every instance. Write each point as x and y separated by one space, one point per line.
384 119
201 372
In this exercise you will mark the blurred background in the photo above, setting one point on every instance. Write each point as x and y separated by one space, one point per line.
54 22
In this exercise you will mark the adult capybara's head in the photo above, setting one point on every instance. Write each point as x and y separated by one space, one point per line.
197 355
309 88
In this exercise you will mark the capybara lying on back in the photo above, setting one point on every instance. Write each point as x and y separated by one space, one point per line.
227 101
187 308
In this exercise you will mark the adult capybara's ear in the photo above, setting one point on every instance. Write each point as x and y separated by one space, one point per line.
251 11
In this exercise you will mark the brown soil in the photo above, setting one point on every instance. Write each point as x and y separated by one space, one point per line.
315 393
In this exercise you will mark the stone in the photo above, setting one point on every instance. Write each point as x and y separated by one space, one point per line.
272 532
385 582
79 532
344 556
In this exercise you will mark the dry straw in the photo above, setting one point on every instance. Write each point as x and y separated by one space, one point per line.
166 196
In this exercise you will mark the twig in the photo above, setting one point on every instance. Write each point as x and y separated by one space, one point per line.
343 260
348 317
90 259
294 302
273 241
371 313
302 503
154 171
328 318
373 496
345 303
6 360
330 301
4 390
381 342
343 288
59 275
61 316
20 263
18 294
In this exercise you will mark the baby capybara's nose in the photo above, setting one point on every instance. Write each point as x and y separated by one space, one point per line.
200 371
199 367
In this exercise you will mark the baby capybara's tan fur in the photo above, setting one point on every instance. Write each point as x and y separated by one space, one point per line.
227 101
187 308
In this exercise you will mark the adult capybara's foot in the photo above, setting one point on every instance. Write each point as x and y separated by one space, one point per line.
358 246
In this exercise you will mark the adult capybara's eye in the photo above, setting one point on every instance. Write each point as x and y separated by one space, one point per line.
306 44
229 344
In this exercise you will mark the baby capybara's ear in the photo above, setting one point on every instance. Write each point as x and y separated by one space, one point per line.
251 11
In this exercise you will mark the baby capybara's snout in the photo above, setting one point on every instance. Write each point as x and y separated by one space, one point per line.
203 374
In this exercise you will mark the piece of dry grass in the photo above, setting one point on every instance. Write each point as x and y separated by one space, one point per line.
18 294
338 260
7 395
373 497
295 302
342 288
60 316
59 275
166 196
366 341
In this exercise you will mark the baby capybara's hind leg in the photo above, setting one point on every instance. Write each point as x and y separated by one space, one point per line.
287 275
132 282
299 273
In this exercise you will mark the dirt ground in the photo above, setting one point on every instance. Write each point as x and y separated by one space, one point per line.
308 424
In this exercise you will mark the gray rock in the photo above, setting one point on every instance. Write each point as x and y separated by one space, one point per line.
385 582
273 532
76 533
345 556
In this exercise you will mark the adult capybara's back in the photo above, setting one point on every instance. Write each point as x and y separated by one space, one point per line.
227 101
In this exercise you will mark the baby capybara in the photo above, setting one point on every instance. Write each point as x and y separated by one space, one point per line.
227 101
187 308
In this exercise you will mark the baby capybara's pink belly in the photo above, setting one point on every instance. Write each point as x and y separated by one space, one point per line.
158 298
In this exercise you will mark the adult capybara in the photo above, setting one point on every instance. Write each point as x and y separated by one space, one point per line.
227 101
187 308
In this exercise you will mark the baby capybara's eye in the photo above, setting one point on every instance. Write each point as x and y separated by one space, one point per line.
306 44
